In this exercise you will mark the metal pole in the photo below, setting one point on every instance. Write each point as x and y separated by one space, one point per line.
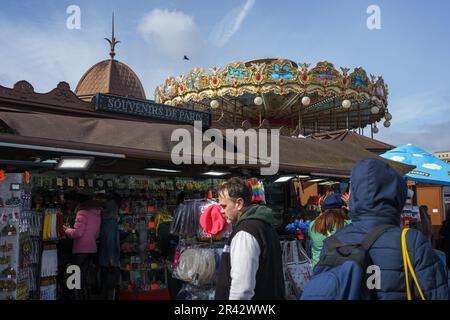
300 118
235 110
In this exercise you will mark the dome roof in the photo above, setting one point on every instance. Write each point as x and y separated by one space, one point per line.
110 76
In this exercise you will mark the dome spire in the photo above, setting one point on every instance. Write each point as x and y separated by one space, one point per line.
112 41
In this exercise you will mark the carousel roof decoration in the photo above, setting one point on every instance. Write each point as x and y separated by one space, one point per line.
318 98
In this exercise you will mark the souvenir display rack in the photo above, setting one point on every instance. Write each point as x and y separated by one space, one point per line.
18 266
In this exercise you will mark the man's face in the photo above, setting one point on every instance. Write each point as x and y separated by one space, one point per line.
230 208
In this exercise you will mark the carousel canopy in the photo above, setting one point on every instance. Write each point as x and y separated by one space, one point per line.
283 92
428 168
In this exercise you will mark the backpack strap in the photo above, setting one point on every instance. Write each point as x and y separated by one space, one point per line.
332 242
374 235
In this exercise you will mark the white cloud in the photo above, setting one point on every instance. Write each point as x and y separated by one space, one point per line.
397 158
431 166
44 55
173 33
231 23
417 155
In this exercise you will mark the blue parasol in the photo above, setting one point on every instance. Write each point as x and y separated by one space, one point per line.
428 168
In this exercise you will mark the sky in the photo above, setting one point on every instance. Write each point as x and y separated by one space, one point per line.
411 50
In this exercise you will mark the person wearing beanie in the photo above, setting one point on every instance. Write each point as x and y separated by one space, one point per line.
327 223
251 264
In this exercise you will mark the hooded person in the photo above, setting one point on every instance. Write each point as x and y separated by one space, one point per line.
377 197
251 265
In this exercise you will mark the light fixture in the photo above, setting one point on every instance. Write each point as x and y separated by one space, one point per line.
258 100
75 163
162 170
387 124
306 101
316 180
216 173
346 104
50 161
328 183
375 129
303 177
374 110
388 116
283 179
214 104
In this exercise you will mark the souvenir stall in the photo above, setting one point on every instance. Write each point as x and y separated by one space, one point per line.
19 252
145 203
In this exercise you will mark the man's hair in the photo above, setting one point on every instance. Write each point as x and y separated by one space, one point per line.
237 188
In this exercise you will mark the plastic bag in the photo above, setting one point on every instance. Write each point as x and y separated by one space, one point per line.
196 266
297 268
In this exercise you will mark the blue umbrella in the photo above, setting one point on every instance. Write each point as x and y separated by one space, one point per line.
428 168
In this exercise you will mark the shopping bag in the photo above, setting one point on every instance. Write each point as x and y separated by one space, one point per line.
297 268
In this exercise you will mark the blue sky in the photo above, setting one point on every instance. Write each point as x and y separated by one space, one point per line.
411 50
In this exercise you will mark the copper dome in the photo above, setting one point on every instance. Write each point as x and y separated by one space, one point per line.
110 76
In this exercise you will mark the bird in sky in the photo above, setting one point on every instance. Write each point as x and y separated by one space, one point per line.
186 58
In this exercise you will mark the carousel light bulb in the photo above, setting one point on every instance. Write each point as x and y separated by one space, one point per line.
387 124
346 104
375 110
214 104
306 101
388 116
375 130
258 101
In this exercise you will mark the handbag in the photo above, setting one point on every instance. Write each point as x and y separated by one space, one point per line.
409 269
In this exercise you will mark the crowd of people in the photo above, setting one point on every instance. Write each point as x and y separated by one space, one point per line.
347 235
353 231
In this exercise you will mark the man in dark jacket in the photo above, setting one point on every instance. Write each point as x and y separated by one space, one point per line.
377 197
251 266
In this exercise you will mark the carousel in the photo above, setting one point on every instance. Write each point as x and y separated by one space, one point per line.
282 94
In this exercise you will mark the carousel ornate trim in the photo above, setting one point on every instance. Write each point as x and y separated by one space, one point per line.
279 76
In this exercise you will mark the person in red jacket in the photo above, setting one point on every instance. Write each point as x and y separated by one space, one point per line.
85 233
